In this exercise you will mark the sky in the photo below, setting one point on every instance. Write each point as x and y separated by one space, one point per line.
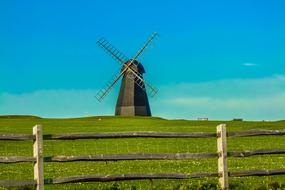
217 59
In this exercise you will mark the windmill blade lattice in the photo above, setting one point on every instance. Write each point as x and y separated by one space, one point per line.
152 90
108 86
111 50
142 83
145 46
127 63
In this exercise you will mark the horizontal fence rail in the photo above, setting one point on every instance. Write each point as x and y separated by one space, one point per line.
129 135
141 156
118 157
120 177
17 183
125 177
251 133
247 173
256 152
16 159
222 154
247 133
16 137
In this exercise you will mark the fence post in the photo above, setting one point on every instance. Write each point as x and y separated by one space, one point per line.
38 155
222 152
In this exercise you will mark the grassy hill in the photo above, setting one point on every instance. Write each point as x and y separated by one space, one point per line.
24 124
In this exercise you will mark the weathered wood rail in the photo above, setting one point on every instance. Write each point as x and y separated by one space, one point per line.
248 133
222 154
140 156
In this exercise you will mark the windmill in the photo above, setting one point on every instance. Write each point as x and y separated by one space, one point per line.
132 99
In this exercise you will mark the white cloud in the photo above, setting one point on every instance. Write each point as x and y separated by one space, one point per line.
280 77
55 103
249 64
252 99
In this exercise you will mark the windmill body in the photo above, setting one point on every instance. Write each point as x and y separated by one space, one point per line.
132 99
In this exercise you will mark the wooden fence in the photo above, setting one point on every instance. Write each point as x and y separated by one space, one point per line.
38 159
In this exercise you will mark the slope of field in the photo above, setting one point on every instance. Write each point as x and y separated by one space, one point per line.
24 124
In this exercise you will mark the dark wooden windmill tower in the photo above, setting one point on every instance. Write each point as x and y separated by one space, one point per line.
132 99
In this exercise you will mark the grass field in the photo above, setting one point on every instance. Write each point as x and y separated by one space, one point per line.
23 125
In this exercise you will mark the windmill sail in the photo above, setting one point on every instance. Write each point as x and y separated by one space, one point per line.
108 86
111 50
136 76
130 70
145 45
142 83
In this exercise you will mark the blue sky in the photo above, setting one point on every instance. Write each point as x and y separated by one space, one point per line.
218 59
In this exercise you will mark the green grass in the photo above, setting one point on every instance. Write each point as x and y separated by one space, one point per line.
24 124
